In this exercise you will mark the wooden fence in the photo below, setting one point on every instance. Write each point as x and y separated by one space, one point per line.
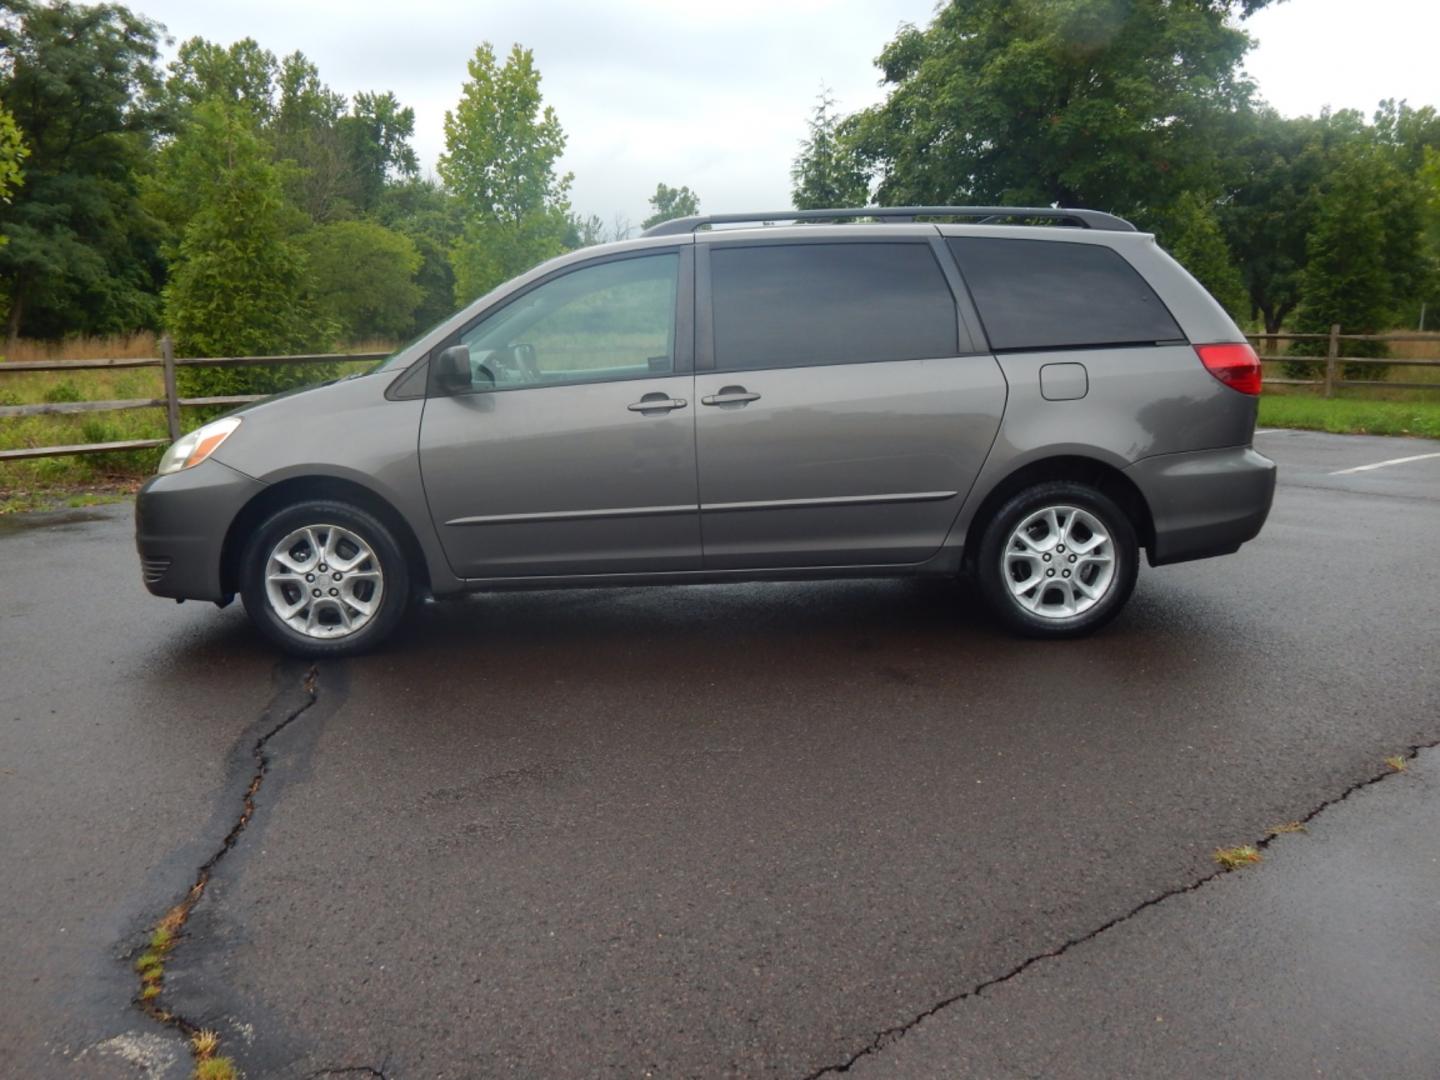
1264 343
1333 361
171 402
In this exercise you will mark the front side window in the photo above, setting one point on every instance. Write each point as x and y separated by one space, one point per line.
781 305
1050 294
600 323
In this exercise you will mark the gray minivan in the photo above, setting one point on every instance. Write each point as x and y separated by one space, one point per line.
1029 396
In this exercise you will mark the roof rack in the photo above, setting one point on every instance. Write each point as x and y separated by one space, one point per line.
988 215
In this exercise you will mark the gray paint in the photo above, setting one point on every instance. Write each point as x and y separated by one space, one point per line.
831 471
1063 382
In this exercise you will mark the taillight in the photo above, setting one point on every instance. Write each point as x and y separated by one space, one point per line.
1236 365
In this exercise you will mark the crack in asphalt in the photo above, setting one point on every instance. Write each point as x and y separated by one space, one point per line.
177 916
343 1070
890 1035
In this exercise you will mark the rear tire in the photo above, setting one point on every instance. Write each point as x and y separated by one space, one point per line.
324 578
1057 560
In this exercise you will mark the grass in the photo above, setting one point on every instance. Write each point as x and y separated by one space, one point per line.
1397 763
1373 410
1350 416
48 483
1233 858
1281 830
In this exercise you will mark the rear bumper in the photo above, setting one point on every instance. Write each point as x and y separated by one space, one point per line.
180 526
1204 503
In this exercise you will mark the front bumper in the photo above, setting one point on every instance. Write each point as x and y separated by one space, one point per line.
1204 503
180 526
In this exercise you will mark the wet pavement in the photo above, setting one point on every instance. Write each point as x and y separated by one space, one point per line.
743 830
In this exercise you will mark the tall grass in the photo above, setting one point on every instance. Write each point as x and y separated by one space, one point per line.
116 470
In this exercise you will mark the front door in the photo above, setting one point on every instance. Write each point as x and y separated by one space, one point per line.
573 452
844 412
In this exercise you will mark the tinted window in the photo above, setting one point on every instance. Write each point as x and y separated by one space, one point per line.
611 321
791 305
1045 294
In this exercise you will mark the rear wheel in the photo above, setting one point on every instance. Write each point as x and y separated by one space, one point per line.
324 579
1058 560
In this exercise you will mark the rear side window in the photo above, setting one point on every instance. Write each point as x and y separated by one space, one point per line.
788 305
1047 294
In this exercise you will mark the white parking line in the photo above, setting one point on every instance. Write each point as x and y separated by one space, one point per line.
1382 464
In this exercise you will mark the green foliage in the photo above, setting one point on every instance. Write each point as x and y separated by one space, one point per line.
1191 233
63 391
669 203
828 173
1113 104
242 74
1362 254
501 146
364 278
490 251
427 214
12 153
82 85
239 282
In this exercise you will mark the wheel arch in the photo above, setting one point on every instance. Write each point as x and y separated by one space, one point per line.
1102 476
297 489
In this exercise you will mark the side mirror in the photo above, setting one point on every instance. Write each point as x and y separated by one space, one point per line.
452 370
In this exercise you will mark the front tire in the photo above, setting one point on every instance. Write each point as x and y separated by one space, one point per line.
1057 560
323 579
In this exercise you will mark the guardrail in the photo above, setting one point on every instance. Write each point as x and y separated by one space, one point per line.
1333 360
171 402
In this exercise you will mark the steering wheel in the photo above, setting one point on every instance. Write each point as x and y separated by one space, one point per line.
525 358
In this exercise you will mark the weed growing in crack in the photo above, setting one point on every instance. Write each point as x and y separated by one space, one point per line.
1397 762
1233 858
1288 827
208 1065
166 934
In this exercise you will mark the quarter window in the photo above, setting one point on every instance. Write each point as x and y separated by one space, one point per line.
790 305
1049 294
615 320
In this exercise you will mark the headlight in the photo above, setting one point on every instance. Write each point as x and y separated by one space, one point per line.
190 450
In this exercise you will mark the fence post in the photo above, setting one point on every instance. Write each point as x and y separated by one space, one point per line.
1331 355
172 399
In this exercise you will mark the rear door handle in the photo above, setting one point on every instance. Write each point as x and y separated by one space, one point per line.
730 395
657 402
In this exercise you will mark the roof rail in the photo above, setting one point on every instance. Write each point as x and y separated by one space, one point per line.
988 215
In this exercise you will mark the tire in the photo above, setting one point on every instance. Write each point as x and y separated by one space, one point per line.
1051 534
362 597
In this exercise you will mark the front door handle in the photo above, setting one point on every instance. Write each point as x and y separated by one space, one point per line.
656 403
730 395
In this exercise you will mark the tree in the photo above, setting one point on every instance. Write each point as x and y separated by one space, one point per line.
429 216
671 203
501 148
1099 103
239 281
12 153
82 84
364 278
1363 253
1191 233
242 74
376 138
827 172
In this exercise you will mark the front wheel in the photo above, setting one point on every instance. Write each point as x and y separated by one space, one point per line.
1058 560
324 579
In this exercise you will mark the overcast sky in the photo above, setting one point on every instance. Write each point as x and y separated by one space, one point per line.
715 96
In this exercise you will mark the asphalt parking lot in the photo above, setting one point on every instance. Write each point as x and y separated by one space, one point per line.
760 830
